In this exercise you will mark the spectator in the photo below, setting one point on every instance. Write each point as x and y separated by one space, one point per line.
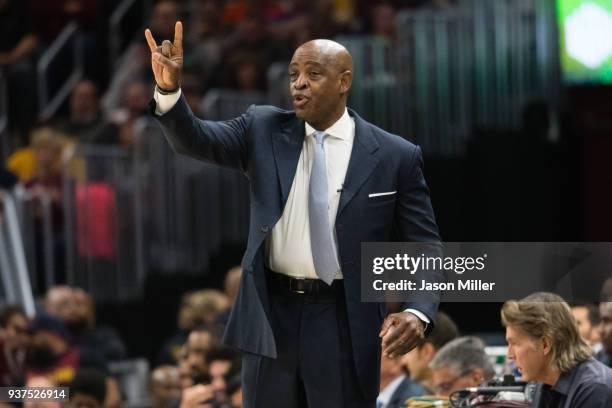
201 308
544 342
59 302
84 121
197 345
88 389
165 387
76 309
587 318
85 333
395 386
18 45
223 364
135 105
460 363
417 360
13 344
605 313
50 353
209 304
47 145
121 128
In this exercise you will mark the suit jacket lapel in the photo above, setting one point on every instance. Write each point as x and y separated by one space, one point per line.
362 162
287 145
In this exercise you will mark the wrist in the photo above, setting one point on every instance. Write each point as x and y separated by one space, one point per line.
166 91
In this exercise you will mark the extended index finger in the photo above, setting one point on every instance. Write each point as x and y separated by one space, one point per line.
178 35
150 40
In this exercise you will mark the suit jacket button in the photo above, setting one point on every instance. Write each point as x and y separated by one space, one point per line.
265 228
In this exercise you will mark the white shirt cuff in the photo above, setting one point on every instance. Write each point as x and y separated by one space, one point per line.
165 102
420 315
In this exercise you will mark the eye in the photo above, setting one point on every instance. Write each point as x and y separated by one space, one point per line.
313 74
292 76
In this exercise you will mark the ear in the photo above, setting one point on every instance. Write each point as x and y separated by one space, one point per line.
546 345
427 351
346 79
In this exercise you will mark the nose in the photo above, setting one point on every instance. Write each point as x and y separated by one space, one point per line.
300 82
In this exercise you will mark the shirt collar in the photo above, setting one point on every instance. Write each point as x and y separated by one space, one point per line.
341 129
565 380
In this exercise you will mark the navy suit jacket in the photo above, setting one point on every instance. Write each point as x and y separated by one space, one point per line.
265 144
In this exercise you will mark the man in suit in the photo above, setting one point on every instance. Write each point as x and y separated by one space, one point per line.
395 386
322 181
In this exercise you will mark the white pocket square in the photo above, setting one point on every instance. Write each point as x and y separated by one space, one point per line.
382 194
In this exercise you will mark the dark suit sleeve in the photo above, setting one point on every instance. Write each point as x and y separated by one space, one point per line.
415 222
224 143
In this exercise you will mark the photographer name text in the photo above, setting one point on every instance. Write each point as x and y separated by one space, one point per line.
408 285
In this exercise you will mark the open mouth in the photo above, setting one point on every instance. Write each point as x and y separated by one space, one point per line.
299 101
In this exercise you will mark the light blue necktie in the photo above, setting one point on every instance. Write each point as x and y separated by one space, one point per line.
321 238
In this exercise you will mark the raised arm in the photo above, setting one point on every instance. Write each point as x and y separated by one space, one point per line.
223 143
167 60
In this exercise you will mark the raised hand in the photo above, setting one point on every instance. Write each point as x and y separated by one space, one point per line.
167 59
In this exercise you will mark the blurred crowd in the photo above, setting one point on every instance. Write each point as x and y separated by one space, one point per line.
229 44
63 345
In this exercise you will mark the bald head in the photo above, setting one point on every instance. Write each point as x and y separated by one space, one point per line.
334 53
320 74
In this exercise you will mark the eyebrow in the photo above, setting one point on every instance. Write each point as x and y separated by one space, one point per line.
317 64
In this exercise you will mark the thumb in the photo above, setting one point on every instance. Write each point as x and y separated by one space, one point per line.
385 327
164 61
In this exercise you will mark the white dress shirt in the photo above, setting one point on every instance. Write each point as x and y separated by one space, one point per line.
288 245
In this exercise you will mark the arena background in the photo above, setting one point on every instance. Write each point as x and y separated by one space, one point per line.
508 102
